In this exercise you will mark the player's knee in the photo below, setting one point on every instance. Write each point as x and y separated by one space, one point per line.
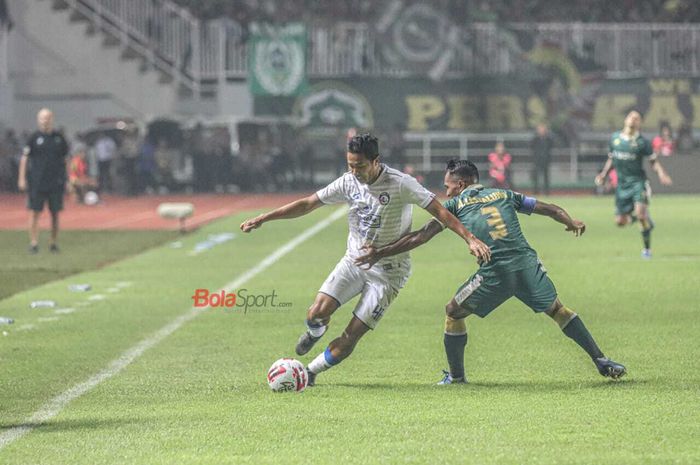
455 311
560 314
621 220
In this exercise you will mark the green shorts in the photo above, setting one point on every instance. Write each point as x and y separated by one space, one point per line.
483 292
629 194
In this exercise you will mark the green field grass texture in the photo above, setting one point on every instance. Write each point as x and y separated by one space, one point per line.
200 396
80 251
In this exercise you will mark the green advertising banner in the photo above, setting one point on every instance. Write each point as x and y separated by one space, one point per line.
489 105
555 86
277 59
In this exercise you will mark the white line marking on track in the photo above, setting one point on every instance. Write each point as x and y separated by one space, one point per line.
58 403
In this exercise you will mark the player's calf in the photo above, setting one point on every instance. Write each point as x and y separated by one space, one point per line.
339 349
455 341
317 318
573 327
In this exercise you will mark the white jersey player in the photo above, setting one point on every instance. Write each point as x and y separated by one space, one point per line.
380 200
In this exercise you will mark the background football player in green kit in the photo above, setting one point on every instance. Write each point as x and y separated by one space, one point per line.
514 269
627 152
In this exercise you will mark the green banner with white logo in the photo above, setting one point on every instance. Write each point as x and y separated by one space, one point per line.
277 59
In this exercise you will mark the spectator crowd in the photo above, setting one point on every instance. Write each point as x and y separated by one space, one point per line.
246 11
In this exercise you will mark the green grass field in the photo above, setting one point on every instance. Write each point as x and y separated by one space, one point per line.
200 396
81 250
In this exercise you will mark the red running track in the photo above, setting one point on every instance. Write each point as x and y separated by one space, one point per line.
117 213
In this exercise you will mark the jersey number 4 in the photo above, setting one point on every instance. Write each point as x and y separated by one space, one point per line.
495 220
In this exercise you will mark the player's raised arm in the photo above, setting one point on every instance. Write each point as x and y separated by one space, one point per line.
291 210
560 215
405 243
477 248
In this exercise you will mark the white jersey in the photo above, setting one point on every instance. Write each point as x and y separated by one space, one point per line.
380 213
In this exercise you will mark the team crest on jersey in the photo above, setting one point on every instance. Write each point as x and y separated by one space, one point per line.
384 198
616 141
39 140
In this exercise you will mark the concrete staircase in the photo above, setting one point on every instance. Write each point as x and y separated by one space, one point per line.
64 60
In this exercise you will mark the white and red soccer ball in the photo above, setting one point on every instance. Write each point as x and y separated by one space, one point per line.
287 374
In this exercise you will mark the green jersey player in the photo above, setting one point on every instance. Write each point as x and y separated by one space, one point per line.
514 269
628 149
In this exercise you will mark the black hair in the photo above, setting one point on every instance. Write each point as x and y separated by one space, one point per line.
463 169
364 144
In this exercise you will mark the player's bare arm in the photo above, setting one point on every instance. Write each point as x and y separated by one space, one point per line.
600 179
292 210
477 248
560 215
22 178
405 243
664 178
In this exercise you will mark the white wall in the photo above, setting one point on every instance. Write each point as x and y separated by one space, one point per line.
53 62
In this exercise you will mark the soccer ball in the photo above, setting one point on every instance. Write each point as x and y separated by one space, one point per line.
91 198
287 374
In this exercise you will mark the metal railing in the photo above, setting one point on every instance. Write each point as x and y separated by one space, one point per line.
619 50
430 151
166 35
191 50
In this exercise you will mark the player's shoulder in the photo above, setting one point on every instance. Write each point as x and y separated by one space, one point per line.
393 178
394 173
493 191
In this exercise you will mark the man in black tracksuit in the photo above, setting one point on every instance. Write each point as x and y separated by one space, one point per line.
42 173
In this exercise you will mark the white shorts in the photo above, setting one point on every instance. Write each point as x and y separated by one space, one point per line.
379 287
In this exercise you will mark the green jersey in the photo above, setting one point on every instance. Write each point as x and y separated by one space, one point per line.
492 216
628 157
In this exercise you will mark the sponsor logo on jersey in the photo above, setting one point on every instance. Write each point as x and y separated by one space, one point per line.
371 221
623 155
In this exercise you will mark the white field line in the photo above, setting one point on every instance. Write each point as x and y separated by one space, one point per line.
58 403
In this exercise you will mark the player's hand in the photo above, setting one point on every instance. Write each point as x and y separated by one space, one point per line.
599 180
577 227
252 223
481 251
665 179
367 260
22 185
